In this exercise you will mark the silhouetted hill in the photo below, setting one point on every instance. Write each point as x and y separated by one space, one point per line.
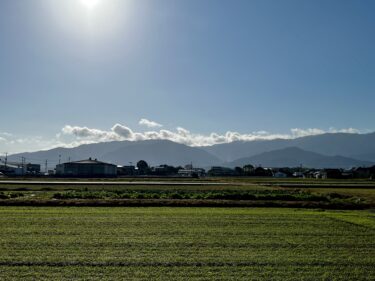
355 146
294 157
155 152
358 146
95 150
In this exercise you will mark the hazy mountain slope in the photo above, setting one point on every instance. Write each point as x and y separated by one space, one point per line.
359 146
365 157
95 150
157 152
349 145
356 146
153 151
231 151
294 157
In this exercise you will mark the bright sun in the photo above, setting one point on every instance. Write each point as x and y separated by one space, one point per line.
90 3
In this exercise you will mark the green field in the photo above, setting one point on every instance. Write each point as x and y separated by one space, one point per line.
250 192
63 243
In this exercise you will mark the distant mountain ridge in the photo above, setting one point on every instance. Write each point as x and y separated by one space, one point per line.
154 152
157 152
294 157
357 146
352 148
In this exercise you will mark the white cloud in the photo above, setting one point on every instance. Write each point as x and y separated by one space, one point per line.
123 131
84 132
184 136
5 134
348 131
297 133
71 136
17 144
149 124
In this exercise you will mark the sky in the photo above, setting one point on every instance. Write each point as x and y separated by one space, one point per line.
197 72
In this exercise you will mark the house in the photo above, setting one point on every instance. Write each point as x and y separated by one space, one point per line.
333 173
220 171
298 175
311 174
280 175
11 170
263 172
320 174
164 170
86 168
126 170
25 168
364 172
193 172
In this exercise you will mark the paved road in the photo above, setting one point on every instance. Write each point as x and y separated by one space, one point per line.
28 182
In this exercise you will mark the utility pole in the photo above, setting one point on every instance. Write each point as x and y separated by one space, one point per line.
6 160
46 164
23 165
59 159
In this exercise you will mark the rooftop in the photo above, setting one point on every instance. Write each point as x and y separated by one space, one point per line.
89 161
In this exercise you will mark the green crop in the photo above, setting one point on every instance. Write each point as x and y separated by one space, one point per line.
63 243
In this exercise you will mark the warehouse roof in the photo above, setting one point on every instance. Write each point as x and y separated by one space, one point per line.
89 161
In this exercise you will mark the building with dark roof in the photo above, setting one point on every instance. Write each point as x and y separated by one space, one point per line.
11 170
29 168
86 168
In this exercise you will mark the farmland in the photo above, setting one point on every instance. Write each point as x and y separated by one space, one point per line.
319 238
250 192
82 243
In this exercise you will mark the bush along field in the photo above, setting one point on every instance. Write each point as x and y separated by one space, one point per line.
186 197
162 243
182 194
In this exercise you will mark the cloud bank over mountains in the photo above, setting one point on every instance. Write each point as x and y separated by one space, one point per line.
180 135
71 136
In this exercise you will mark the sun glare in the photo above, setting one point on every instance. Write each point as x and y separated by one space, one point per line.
90 3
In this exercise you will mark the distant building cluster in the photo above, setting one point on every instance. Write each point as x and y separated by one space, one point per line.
98 169
19 169
86 168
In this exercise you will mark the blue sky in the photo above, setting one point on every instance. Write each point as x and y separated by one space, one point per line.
207 66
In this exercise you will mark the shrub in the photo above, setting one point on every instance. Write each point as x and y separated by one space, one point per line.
3 195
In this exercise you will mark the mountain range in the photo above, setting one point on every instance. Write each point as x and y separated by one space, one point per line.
294 157
357 146
341 150
155 152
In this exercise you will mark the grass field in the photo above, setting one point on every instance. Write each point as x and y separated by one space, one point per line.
185 244
333 194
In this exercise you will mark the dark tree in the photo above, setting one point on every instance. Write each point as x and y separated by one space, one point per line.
238 171
143 167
